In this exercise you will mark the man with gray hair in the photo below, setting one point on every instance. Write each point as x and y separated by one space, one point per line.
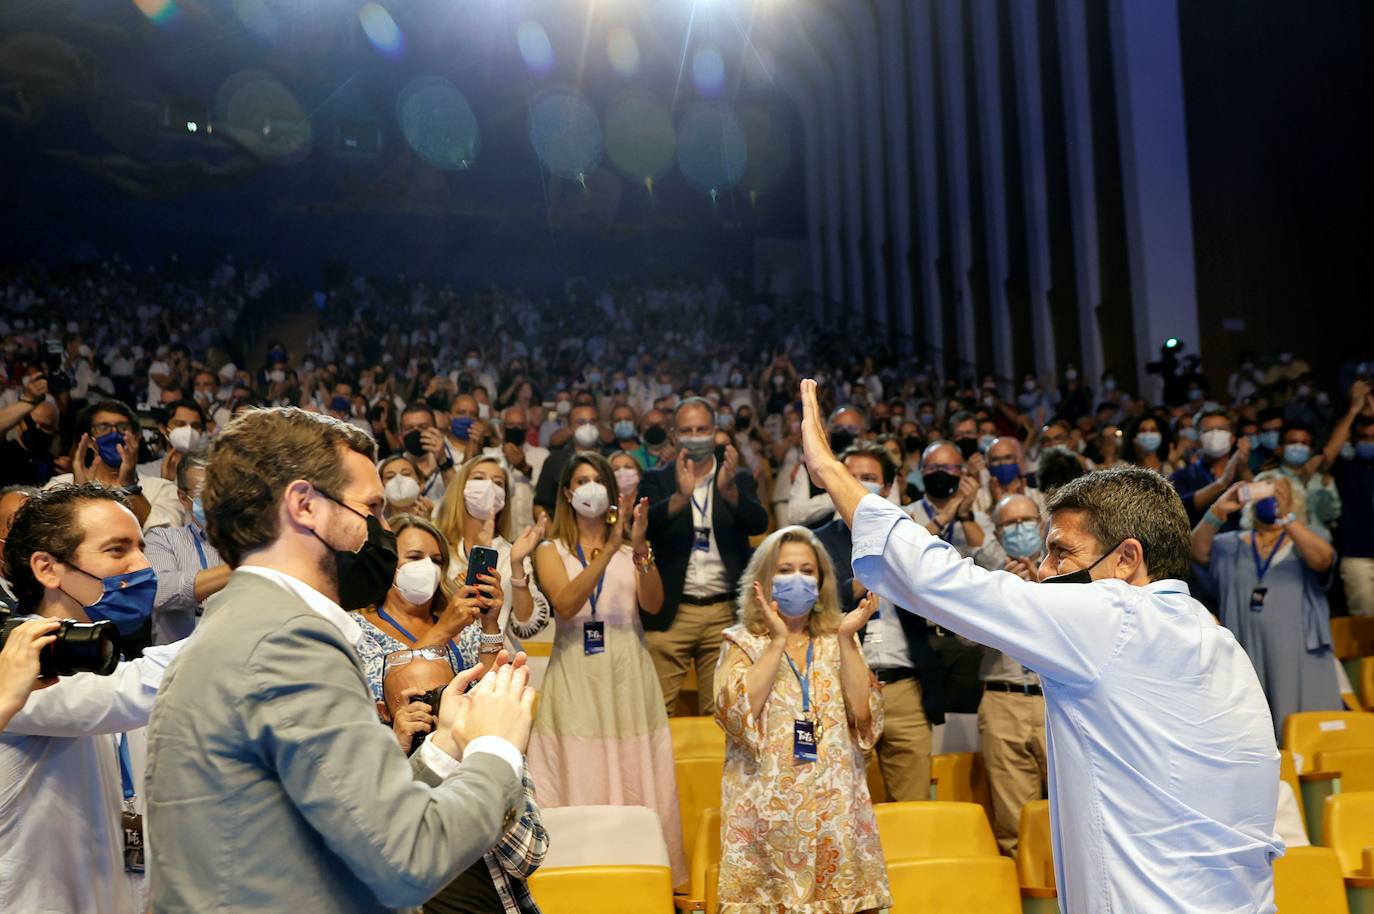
1163 772
189 568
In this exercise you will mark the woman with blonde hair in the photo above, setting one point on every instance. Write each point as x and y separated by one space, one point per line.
601 736
799 708
475 511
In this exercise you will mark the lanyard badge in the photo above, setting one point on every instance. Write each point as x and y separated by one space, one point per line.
593 631
805 733
131 820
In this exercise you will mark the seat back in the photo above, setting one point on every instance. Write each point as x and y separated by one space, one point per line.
1356 767
1307 880
877 787
1348 828
705 854
698 788
1364 685
1288 771
920 831
1352 636
604 889
959 777
604 836
986 885
696 737
1306 733
1034 851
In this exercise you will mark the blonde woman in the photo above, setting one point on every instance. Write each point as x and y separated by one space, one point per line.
401 483
475 511
799 708
601 736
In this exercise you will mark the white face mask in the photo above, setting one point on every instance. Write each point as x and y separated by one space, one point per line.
563 407
416 581
186 439
627 479
401 491
1216 442
591 499
483 411
586 436
483 498
276 376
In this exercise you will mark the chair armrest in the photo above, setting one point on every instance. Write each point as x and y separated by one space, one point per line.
1038 892
1359 882
1312 777
682 903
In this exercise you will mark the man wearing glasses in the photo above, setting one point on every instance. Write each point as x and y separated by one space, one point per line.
107 454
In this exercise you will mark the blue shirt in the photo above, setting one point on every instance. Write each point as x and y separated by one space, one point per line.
1188 480
1163 771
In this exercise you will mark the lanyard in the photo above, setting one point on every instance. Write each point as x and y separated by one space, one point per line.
126 768
596 594
948 534
381 611
803 680
200 550
1262 567
704 506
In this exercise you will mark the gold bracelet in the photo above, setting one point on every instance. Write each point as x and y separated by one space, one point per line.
644 564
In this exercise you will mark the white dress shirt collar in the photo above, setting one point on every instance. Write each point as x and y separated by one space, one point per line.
317 601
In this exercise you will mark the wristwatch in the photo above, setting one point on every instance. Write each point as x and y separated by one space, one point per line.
132 491
446 464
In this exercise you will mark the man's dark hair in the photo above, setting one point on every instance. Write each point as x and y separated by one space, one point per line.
701 402
419 406
1057 467
1269 414
189 462
256 457
1130 503
170 409
877 452
47 523
1296 426
83 419
962 415
1208 412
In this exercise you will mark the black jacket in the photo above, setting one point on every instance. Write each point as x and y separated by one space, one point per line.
838 541
671 536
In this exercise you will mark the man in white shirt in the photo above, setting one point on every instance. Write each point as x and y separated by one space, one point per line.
1163 773
525 461
807 504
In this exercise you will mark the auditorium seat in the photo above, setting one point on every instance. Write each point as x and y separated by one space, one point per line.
603 889
1288 773
877 788
1307 880
704 865
1305 733
699 763
697 737
582 836
1035 859
932 828
1364 681
965 885
1355 766
960 777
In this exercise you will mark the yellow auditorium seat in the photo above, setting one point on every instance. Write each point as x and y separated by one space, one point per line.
959 777
932 828
964 885
1307 880
697 737
603 889
1348 828
877 787
1352 636
1306 733
698 763
704 865
1035 859
1355 767
1364 681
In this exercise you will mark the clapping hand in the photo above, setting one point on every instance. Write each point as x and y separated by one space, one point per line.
815 443
502 704
639 527
858 617
527 541
772 616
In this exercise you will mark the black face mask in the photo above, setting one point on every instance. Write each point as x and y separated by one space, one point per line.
841 437
36 441
366 575
967 446
515 435
413 443
940 484
654 435
1082 575
742 421
912 443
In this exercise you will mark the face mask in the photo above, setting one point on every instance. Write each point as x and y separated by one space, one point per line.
627 479
108 447
591 499
483 411
875 487
624 430
1028 386
736 379
795 594
1109 385
912 444
1187 433
483 498
461 426
593 377
186 439
698 449
1022 541
1304 391
1295 455
778 381
1070 375
1083 575
413 443
198 511
1005 473
586 436
401 491
364 576
126 600
985 442
35 440
927 419
1194 395
416 581
941 484
563 407
654 435
618 385
276 376
339 404
1216 443
841 437
1364 450
1269 439
914 478
473 364
967 446
725 421
1267 510
743 421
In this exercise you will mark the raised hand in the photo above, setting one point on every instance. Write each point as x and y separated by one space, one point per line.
463 609
639 528
128 459
528 540
501 705
725 475
1229 502
815 443
858 617
432 440
488 531
489 593
968 491
772 616
81 473
20 663
686 474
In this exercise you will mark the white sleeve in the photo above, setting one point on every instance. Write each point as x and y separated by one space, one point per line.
1065 632
802 506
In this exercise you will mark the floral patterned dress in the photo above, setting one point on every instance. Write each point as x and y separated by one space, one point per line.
795 836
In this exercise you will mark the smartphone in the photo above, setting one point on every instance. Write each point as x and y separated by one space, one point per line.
720 453
1254 491
481 560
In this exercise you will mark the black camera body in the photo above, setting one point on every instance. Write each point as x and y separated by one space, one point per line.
81 647
431 698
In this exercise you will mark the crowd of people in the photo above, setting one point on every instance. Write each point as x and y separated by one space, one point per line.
625 463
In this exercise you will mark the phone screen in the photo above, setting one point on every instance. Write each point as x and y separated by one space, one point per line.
481 560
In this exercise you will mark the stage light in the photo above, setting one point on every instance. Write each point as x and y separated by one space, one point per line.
191 126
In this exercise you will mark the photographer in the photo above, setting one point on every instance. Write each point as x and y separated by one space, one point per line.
75 552
27 459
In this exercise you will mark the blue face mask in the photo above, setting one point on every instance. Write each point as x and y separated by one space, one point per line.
1267 510
108 447
1188 433
796 594
127 600
1269 439
339 404
915 478
1022 541
1150 441
1295 455
1364 450
198 512
625 430
1005 473
460 426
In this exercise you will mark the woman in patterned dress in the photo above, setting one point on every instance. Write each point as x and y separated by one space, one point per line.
799 708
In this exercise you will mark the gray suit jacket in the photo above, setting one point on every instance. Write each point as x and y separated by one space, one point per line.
272 787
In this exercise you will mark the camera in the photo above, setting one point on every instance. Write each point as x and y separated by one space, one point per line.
431 698
54 359
81 647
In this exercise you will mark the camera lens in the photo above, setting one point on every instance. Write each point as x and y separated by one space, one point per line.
79 648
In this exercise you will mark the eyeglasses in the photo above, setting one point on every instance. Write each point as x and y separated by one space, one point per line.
401 658
104 428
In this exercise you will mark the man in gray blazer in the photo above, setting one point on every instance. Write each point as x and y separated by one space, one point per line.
272 785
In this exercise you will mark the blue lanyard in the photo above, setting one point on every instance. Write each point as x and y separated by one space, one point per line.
803 680
948 534
704 506
381 611
596 594
1262 567
126 768
200 550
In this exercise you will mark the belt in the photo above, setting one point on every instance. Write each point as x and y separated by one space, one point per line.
707 601
1012 687
889 676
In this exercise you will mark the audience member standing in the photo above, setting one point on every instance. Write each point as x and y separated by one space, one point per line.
1350 454
189 568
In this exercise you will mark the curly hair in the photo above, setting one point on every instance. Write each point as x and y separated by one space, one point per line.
47 523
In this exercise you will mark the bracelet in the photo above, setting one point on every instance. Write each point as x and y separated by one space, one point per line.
522 583
1213 519
496 639
964 519
487 651
644 561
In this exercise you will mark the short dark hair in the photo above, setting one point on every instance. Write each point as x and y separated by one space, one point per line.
875 451
1131 503
47 523
1269 414
700 402
1296 426
1057 467
1208 412
83 419
256 457
170 409
962 415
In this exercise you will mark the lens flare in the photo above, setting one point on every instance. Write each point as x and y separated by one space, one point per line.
566 134
639 136
708 72
382 30
535 47
623 51
711 149
438 123
161 12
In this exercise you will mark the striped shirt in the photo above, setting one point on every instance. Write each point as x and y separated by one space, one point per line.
177 555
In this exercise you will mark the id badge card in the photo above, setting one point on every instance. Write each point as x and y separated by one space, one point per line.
133 840
804 741
1257 599
593 637
701 539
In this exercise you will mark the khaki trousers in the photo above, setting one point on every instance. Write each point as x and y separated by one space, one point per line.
1012 726
694 637
904 749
